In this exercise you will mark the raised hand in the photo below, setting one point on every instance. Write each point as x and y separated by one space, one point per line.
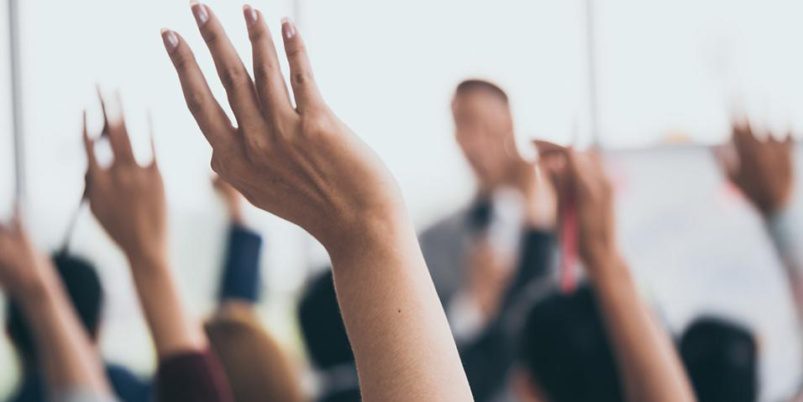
127 199
304 165
23 270
66 356
298 162
763 169
648 364
581 177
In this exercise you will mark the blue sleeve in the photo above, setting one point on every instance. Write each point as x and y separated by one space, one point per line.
241 274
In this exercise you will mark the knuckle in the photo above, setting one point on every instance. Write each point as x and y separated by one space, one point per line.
211 37
195 101
301 78
263 71
233 76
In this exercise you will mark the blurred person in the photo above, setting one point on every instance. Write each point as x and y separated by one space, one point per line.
473 252
254 363
326 341
563 359
300 162
84 289
721 358
70 365
128 201
489 357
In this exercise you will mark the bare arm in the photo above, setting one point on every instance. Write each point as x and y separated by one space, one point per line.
128 200
70 363
763 169
649 366
304 165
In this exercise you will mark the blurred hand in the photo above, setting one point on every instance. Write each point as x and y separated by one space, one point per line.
231 197
300 163
488 276
540 209
23 270
762 169
580 177
127 199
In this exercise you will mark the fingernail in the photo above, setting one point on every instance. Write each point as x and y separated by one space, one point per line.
200 12
251 15
288 28
170 39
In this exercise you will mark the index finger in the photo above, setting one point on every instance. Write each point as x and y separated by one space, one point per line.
92 160
211 118
118 135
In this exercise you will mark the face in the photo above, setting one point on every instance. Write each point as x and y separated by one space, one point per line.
484 131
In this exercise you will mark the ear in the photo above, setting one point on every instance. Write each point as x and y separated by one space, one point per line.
525 387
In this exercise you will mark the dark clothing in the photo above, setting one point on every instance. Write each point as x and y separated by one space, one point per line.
488 359
127 387
241 278
192 377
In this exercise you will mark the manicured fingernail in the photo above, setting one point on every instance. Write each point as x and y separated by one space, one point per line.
251 15
288 28
170 39
200 12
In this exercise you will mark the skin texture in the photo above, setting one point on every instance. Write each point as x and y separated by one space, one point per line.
303 164
648 363
128 201
65 352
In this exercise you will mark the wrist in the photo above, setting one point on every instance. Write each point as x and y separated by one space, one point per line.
377 233
604 262
147 258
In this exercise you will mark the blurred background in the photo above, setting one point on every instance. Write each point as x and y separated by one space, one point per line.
665 76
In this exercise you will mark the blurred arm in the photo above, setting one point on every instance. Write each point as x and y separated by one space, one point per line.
645 354
71 365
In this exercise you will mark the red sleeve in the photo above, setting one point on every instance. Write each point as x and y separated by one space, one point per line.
192 377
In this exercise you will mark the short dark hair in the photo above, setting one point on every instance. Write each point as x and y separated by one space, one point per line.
322 325
85 291
477 85
721 359
565 349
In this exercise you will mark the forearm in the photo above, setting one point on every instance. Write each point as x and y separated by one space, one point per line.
174 329
398 330
786 236
648 364
69 360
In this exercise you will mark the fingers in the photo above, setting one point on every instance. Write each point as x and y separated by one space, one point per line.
118 135
546 148
153 163
89 147
239 87
301 78
210 117
271 88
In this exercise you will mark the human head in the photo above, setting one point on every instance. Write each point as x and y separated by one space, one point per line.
721 359
565 353
83 286
326 340
484 130
255 365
